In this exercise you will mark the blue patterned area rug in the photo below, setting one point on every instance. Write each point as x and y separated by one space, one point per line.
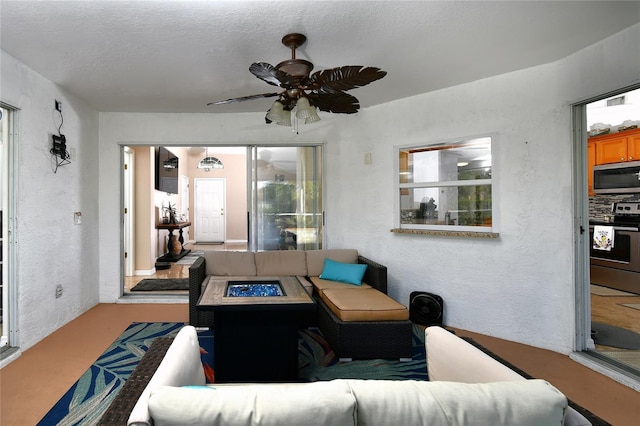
86 401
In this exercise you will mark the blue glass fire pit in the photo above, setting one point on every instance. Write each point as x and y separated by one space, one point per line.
254 289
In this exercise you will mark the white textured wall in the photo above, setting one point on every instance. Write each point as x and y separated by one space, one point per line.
51 249
519 287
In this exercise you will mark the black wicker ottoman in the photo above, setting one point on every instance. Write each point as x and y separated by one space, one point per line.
365 339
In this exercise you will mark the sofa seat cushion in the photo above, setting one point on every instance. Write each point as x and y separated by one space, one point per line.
229 263
315 259
321 284
363 304
280 263
323 403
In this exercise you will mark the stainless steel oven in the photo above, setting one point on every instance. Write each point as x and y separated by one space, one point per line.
619 267
625 253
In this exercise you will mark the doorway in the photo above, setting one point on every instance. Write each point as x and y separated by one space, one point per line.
129 210
185 195
209 204
266 194
608 317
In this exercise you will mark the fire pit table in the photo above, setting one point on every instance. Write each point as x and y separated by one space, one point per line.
255 327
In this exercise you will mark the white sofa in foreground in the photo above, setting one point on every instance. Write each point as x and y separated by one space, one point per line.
177 394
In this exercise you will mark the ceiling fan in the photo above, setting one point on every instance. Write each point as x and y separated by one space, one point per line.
324 89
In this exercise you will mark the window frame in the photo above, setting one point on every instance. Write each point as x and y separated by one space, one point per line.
428 228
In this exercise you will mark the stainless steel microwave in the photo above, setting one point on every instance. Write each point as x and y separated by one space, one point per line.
617 178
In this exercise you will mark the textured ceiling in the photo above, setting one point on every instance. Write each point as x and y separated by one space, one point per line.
175 56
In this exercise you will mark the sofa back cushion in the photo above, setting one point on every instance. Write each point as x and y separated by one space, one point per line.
452 359
315 259
180 366
230 263
322 403
527 402
279 263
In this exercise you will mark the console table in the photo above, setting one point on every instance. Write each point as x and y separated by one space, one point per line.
169 256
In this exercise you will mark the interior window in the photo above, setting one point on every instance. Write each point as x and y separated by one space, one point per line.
446 186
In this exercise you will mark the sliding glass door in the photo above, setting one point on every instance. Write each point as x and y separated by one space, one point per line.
8 294
285 197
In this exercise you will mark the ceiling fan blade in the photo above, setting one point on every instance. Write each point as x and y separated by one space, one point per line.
244 98
344 78
272 75
338 102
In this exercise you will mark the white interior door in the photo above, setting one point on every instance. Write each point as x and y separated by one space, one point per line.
209 200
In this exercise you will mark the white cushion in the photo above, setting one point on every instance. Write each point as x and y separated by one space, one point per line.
528 402
321 403
452 359
180 366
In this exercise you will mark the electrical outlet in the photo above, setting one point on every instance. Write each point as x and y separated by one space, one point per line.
58 291
58 105
77 218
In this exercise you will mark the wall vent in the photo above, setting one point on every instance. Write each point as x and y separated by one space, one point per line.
616 101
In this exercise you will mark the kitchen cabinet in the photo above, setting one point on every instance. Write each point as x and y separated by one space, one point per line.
617 147
634 147
612 150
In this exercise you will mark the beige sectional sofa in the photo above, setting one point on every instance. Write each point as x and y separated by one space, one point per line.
358 321
466 388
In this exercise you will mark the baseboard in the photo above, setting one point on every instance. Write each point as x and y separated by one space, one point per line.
607 369
144 272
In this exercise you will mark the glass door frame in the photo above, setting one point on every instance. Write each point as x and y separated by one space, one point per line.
9 335
584 344
253 213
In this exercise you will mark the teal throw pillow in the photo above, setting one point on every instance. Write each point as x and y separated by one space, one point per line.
350 273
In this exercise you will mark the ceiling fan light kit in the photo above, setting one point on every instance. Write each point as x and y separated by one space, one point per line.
303 108
285 118
304 93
